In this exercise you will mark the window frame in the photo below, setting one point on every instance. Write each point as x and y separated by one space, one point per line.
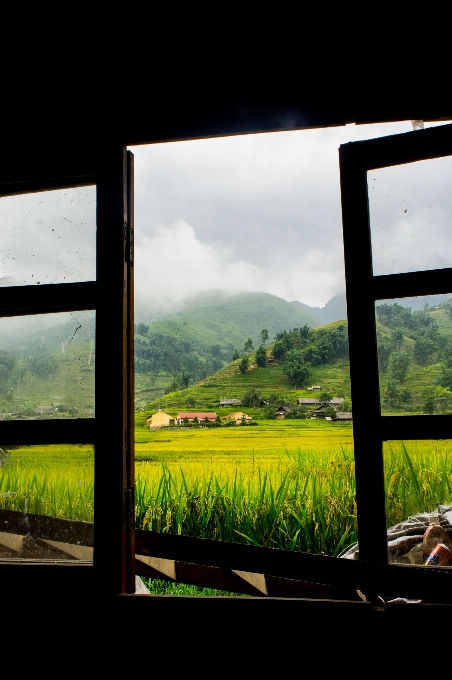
363 289
111 296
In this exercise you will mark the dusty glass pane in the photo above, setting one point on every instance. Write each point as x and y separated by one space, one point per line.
414 341
48 237
46 502
47 366
410 216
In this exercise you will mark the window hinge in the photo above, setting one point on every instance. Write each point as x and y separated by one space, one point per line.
128 244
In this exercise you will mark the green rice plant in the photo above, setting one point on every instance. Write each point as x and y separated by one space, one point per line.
303 506
418 477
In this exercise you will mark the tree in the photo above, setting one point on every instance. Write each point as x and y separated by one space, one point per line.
384 352
7 363
243 419
397 338
185 379
391 393
244 364
206 420
264 336
279 349
195 420
330 412
249 345
142 329
185 420
399 365
218 419
304 332
445 379
251 398
423 347
295 368
325 397
235 356
43 365
261 357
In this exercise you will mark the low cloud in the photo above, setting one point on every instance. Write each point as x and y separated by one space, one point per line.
175 264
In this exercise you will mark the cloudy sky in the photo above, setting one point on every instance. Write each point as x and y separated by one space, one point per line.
262 213
250 213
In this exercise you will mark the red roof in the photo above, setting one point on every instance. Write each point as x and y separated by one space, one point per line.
199 416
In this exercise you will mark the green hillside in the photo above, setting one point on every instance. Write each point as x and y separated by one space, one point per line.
47 360
230 383
201 339
422 339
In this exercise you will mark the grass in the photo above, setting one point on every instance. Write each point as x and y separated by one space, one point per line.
288 485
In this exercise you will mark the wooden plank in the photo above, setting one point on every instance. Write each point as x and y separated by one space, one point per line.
399 580
47 528
235 581
411 284
67 297
113 498
368 451
407 147
416 427
48 431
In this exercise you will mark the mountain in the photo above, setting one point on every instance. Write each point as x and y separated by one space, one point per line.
201 338
334 310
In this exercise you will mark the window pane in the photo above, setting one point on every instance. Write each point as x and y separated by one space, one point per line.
414 340
46 502
410 211
418 480
48 237
47 366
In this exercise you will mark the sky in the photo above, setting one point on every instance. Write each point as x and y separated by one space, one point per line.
248 213
263 213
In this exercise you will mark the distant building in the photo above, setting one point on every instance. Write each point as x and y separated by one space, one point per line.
344 415
303 401
238 417
308 401
191 416
281 413
230 402
315 388
160 419
45 410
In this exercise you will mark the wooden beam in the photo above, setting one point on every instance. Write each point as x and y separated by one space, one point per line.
431 584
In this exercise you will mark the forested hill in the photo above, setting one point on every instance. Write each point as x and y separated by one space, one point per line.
203 336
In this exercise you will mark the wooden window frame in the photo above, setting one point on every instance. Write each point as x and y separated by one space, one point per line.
111 430
363 289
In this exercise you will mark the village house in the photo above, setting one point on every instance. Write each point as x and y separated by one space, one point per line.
281 413
344 415
229 402
238 416
191 416
308 401
315 388
46 410
159 419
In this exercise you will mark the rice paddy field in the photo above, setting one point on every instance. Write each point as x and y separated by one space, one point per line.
283 484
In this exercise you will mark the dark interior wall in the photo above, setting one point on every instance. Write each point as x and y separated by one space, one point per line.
49 117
